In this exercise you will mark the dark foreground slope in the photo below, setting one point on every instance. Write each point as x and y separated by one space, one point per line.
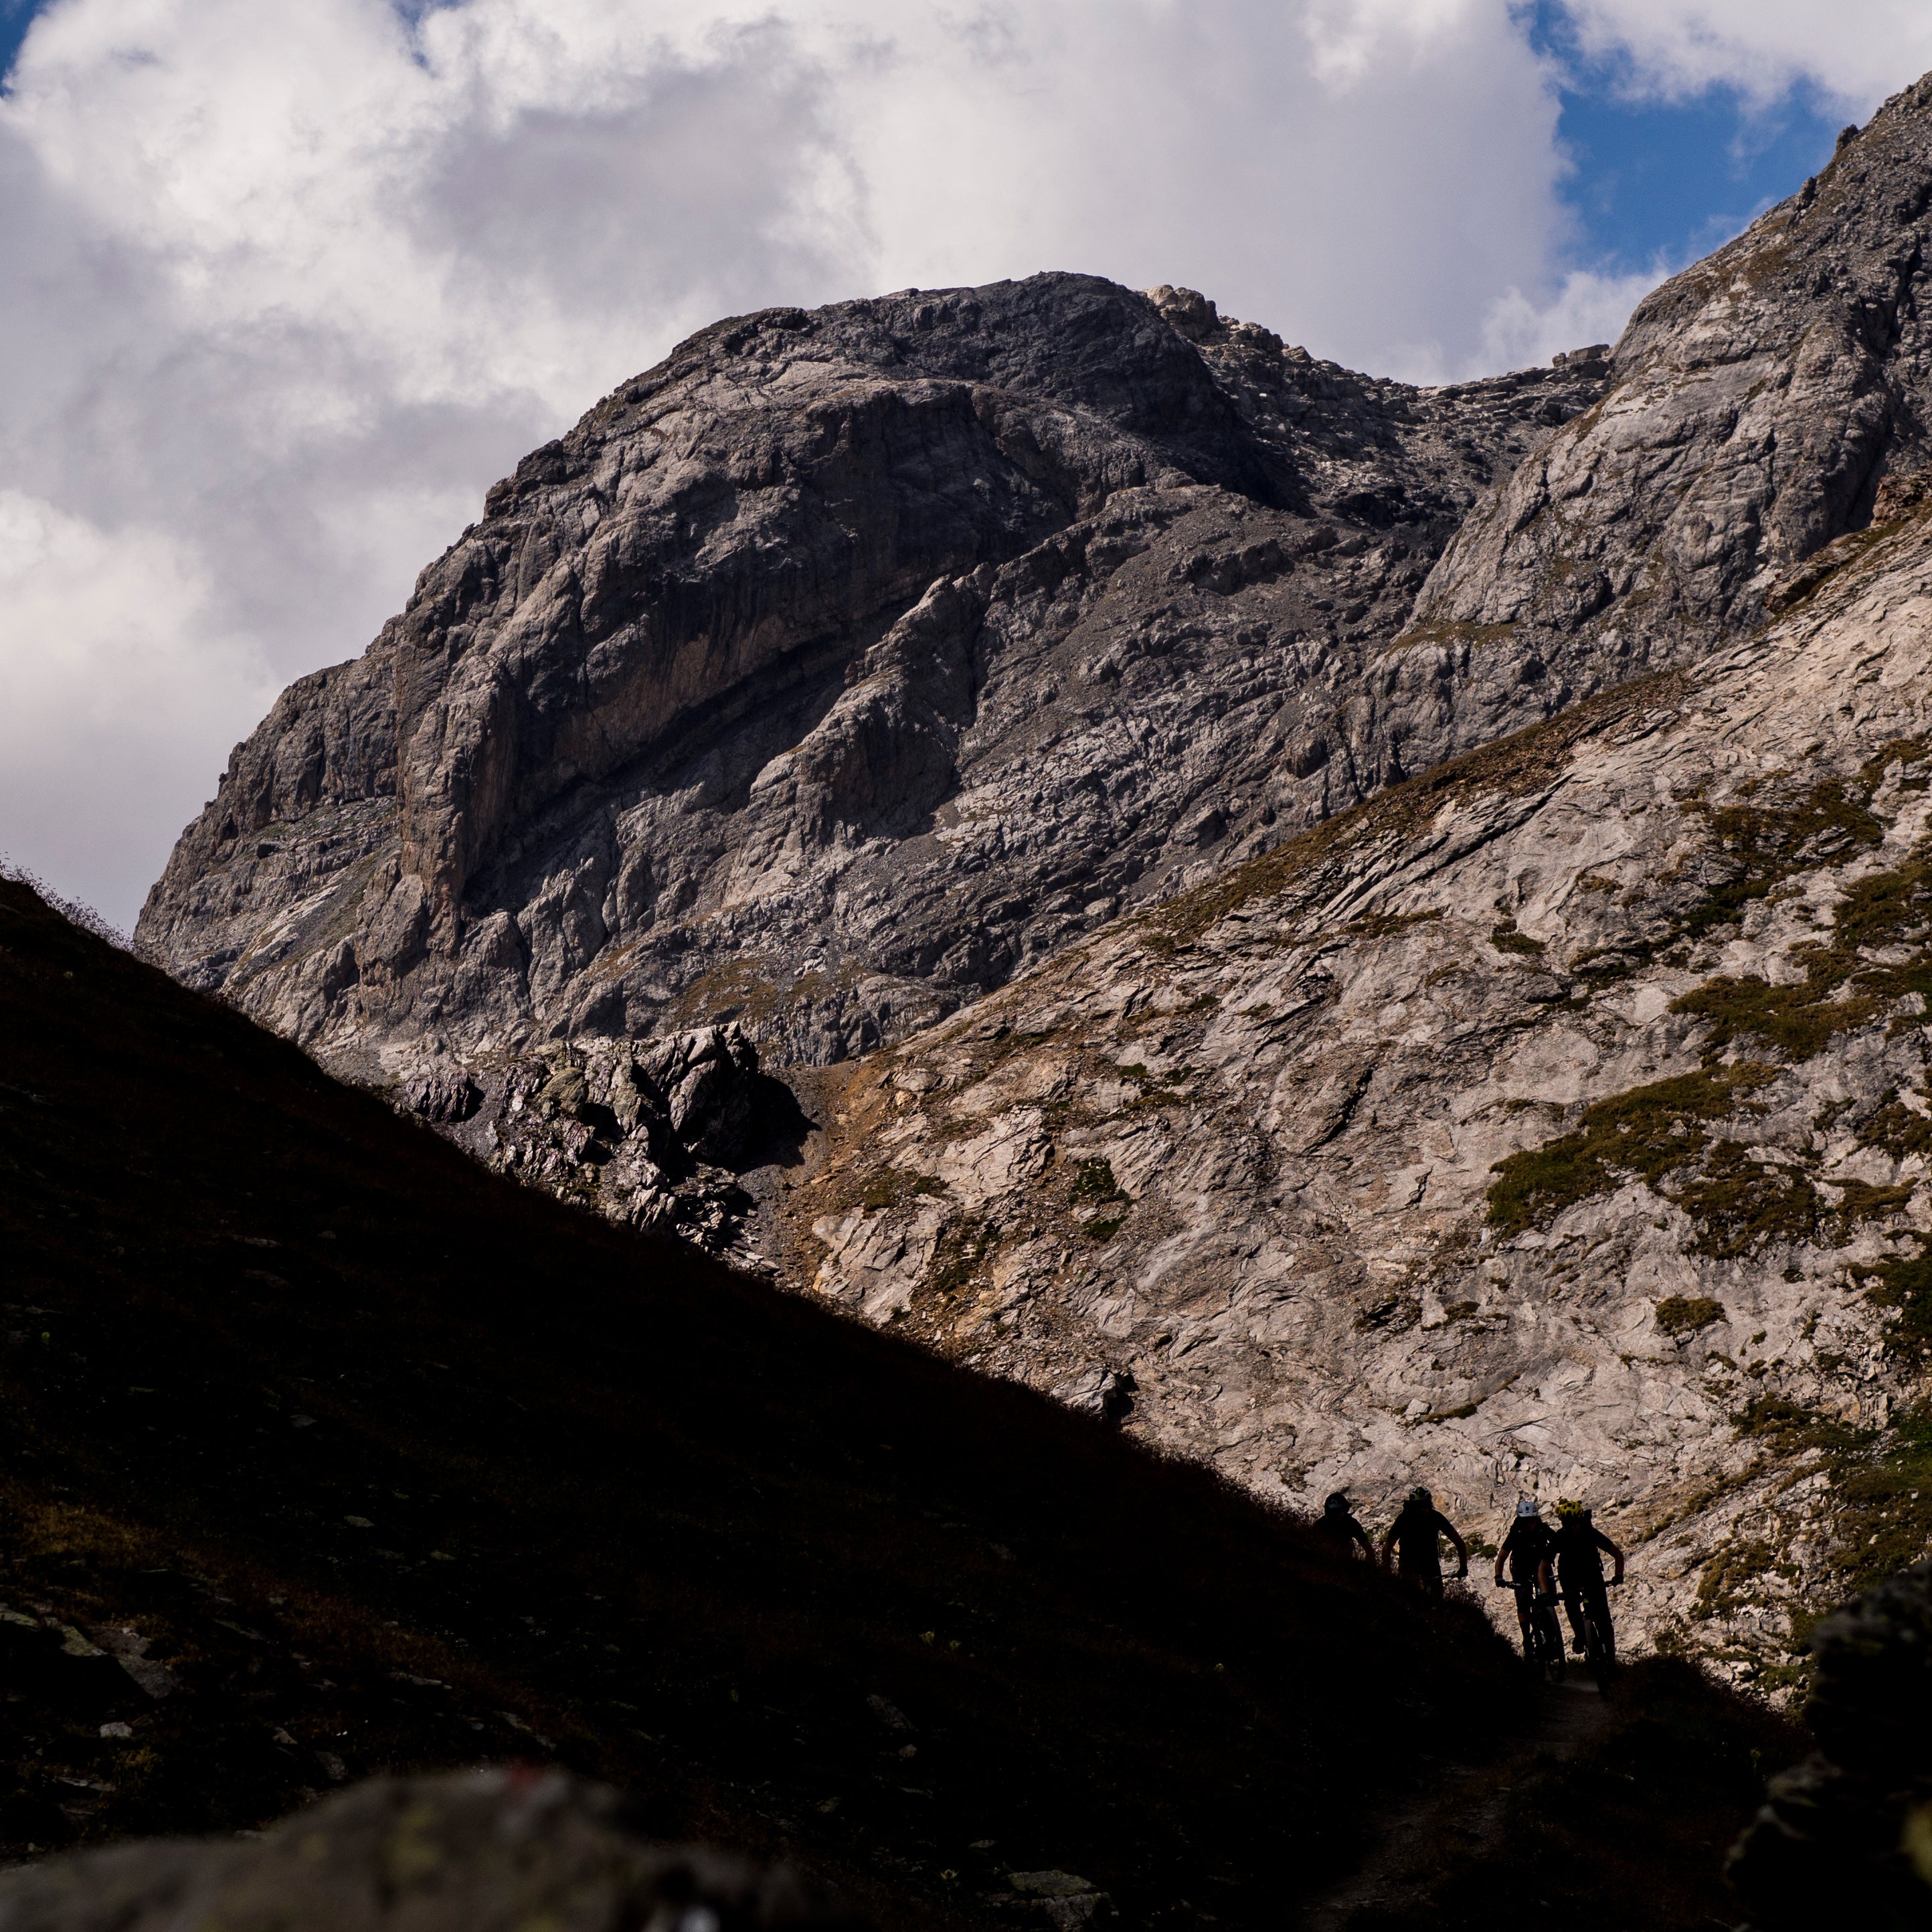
348 1455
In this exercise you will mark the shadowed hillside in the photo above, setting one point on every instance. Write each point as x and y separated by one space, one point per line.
326 1451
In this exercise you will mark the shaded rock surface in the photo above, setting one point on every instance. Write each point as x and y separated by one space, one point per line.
841 666
474 1851
1845 1837
656 1135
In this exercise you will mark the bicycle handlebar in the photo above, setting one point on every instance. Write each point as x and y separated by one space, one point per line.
1609 1583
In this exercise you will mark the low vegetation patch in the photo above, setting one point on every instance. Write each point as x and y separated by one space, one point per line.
891 1187
1684 1314
1844 987
1741 1201
1884 1505
964 1245
1880 1492
1505 938
1094 1181
1642 1134
1903 1282
1897 1129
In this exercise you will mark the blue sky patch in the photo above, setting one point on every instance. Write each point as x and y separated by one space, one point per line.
1662 180
15 16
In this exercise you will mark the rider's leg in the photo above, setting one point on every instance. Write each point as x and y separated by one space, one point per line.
1573 1603
1574 1608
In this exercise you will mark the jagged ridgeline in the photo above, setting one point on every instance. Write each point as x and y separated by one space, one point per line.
1362 932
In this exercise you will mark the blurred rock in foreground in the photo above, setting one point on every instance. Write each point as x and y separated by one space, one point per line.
483 1851
1846 1837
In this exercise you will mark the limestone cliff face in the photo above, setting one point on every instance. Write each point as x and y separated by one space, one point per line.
1064 737
1758 404
1558 1121
829 672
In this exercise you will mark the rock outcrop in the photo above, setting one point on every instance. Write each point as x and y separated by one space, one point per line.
1759 405
457 1853
655 1135
1027 688
1559 1122
1846 1837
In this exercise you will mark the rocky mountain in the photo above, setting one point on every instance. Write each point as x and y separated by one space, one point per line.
1359 931
827 675
1558 1121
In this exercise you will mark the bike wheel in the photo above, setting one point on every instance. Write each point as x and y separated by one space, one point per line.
1596 1652
1554 1664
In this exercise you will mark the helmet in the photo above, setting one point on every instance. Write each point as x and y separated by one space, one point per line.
1337 1503
1570 1506
1526 1506
1420 1495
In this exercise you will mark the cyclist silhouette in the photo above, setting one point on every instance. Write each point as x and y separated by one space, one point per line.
1337 1524
1530 1549
1411 1541
1580 1569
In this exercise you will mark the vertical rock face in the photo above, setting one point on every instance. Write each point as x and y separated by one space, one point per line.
1759 405
827 674
1046 690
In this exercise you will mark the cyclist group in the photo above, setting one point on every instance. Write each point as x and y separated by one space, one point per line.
1546 1566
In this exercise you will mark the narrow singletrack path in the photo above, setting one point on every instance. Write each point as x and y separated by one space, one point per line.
1455 1813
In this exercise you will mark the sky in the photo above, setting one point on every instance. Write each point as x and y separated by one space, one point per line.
283 290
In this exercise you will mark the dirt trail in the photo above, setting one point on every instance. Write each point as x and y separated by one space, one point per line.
1458 1812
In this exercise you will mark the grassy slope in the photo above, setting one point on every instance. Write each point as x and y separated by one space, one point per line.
679 1529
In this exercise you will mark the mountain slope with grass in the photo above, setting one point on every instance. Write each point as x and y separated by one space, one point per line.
1359 931
326 1452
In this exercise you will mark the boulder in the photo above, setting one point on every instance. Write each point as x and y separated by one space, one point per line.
482 1851
1843 1838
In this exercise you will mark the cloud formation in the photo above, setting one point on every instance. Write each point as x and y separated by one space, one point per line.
288 288
1857 51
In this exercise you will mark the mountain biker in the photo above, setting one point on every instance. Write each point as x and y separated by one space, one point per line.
1580 1569
1337 1524
1411 1540
1530 1547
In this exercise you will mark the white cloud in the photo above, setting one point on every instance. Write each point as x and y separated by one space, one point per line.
1858 52
1519 331
287 287
113 679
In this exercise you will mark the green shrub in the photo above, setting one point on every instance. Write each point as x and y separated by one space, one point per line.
1683 1315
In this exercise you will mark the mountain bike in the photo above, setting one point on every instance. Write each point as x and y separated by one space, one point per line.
1599 1658
1542 1636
